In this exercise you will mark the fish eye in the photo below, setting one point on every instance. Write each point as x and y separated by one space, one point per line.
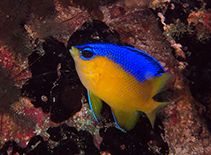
87 54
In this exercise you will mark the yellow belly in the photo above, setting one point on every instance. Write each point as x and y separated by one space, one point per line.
116 87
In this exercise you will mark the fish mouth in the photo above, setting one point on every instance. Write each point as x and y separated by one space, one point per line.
74 51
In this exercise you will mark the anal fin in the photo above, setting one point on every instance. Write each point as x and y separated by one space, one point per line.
95 104
125 119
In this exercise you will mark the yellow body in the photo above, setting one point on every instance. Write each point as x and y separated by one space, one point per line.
113 85
119 89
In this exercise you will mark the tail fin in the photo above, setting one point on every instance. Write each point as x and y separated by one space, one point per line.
152 114
161 83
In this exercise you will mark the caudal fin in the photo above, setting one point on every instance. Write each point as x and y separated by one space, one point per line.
151 114
161 83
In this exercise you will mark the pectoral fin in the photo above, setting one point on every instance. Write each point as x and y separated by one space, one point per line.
125 119
95 104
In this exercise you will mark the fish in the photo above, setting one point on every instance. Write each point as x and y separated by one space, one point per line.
123 77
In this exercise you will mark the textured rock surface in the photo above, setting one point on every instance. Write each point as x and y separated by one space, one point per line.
175 33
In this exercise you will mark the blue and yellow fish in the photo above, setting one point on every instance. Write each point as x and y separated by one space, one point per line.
123 77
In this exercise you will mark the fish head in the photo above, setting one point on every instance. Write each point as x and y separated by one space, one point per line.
88 63
86 59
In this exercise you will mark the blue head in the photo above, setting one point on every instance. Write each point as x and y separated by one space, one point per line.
135 62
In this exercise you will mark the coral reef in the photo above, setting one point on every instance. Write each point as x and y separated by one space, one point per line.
43 105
